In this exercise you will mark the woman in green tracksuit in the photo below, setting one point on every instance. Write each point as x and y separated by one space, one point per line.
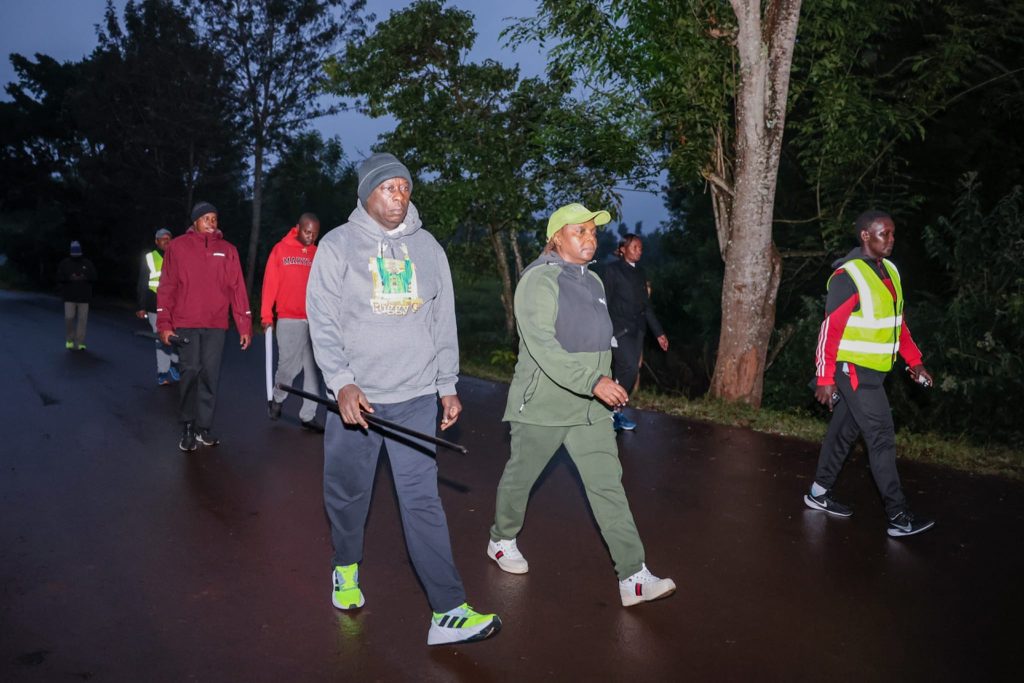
561 394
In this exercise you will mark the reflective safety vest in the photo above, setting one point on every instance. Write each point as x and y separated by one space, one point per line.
872 335
155 261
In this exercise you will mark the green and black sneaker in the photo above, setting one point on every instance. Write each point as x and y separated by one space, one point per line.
346 587
462 625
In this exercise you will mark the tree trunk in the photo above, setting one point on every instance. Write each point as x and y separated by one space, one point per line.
501 261
753 268
257 206
517 254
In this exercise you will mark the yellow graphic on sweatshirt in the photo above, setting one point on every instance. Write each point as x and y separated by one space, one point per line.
395 291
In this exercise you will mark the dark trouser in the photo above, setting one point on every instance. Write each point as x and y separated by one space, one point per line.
350 463
864 411
626 359
199 364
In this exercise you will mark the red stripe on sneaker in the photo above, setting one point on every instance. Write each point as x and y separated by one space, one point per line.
500 554
639 590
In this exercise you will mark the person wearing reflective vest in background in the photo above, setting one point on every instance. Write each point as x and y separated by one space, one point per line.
862 332
145 296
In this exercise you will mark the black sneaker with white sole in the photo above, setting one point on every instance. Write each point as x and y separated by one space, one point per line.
905 524
204 437
188 438
824 502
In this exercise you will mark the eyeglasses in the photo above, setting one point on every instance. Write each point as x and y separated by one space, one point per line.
391 189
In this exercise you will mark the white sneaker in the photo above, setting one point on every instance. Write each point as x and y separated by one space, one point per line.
644 587
508 557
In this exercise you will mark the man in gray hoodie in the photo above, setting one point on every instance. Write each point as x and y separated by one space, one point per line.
382 320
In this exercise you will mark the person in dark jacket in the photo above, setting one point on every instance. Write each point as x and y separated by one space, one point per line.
145 299
629 306
561 395
201 279
863 330
76 275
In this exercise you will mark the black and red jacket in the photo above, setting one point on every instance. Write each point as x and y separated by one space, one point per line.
843 299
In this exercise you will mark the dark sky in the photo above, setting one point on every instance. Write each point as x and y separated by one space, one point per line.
65 30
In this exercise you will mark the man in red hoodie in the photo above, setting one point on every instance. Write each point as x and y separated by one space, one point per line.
201 277
284 288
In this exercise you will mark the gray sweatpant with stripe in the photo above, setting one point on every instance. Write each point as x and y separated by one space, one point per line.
350 463
294 354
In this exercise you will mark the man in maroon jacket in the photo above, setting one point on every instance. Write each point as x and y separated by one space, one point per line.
201 277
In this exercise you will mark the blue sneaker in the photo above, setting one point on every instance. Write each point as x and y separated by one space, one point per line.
622 423
162 379
173 373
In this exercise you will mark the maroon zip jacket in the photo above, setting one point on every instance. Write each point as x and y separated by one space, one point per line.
201 277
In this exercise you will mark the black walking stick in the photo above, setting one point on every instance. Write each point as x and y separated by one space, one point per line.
175 339
378 421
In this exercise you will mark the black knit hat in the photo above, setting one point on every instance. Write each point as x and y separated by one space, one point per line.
376 169
201 209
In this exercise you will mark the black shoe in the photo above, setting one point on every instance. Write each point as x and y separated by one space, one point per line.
904 524
204 437
188 438
273 410
313 426
825 502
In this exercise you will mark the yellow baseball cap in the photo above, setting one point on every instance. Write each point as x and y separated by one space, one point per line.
572 214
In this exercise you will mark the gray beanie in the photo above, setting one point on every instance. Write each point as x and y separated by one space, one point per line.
376 169
163 231
201 209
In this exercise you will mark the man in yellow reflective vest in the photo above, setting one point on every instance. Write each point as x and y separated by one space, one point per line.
145 296
862 332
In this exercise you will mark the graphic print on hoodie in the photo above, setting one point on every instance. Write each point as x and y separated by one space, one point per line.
395 291
381 310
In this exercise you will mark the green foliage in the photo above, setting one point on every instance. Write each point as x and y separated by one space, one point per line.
104 151
311 175
275 51
975 324
490 151
664 70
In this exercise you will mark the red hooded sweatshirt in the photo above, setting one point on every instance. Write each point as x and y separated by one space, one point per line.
201 277
284 282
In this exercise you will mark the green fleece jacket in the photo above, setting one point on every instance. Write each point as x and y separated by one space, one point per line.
565 340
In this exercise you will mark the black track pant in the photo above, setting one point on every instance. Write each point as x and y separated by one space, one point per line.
199 364
864 411
626 359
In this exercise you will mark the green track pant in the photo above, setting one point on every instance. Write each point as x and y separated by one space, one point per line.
596 456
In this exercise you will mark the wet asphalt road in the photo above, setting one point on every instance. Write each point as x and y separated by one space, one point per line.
123 559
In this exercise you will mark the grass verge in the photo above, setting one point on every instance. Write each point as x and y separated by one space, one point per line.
956 452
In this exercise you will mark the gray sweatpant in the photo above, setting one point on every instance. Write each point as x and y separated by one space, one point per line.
165 355
76 317
294 354
350 463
